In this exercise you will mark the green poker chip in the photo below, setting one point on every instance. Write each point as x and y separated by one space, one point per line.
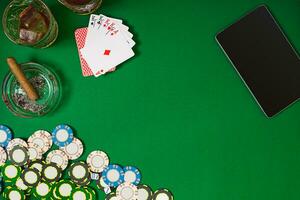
110 196
13 193
63 189
80 194
91 192
42 190
10 172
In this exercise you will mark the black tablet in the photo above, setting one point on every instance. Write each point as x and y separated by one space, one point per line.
264 58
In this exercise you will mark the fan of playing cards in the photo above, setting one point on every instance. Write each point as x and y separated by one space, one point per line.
103 45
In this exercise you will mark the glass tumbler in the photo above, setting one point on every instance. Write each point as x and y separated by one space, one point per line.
30 23
82 7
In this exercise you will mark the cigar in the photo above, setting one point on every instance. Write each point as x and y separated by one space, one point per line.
20 76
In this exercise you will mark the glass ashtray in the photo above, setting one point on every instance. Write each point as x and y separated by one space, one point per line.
45 82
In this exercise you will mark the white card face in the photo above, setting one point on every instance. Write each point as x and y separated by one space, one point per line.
108 44
107 52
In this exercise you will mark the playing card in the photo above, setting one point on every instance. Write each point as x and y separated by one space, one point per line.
107 53
108 43
80 36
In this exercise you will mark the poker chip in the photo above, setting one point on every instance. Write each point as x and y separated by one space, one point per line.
91 193
34 151
162 194
31 177
5 136
51 172
62 135
73 150
80 194
113 175
18 155
42 139
111 196
79 173
16 142
42 190
103 186
20 185
3 156
97 161
127 191
13 193
132 175
25 173
64 189
144 192
11 172
37 164
59 157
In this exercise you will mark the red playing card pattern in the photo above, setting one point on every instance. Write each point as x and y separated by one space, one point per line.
80 36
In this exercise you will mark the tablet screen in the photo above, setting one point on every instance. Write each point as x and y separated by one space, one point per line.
264 59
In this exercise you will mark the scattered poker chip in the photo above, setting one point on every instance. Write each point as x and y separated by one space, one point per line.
144 192
34 151
3 156
5 136
51 172
132 175
162 194
42 190
16 142
42 139
11 172
13 193
59 157
127 191
18 155
37 164
80 194
31 177
62 135
73 150
111 196
113 175
64 189
97 161
79 173
103 186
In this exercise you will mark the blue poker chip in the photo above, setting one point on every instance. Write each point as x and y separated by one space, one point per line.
5 135
62 135
132 175
113 175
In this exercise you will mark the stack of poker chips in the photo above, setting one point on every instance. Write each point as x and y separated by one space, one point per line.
35 168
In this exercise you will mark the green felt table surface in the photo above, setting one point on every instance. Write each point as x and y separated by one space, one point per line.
177 110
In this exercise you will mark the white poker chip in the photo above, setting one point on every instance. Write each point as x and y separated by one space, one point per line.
73 150
35 153
59 157
162 194
16 142
20 184
144 192
3 156
97 161
42 139
103 186
127 191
